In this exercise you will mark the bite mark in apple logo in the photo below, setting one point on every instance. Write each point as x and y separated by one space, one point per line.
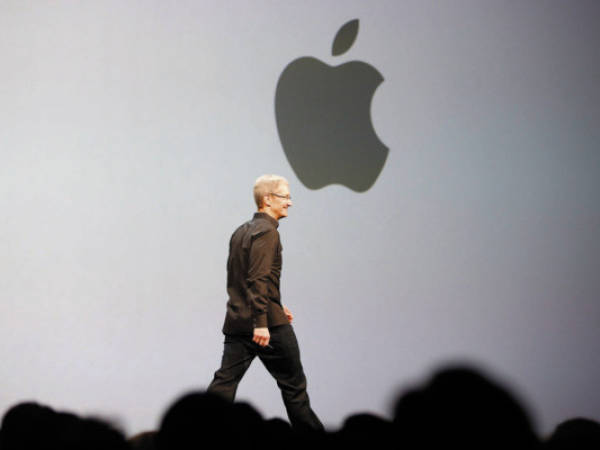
323 116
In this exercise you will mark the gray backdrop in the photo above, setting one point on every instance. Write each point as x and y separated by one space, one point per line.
131 133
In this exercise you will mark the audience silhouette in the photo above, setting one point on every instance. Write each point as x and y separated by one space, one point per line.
458 406
576 433
33 426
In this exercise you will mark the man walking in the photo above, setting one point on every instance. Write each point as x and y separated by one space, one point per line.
256 323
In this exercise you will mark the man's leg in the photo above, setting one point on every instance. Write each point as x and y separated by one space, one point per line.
237 356
282 360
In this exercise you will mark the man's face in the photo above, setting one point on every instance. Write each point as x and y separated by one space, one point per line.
281 200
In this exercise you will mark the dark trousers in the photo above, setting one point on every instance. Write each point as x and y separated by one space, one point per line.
282 360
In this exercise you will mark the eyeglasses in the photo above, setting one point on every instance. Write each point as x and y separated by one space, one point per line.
287 197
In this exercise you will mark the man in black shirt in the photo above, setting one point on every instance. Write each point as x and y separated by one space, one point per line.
256 323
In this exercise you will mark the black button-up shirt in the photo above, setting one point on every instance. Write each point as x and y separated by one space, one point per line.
253 272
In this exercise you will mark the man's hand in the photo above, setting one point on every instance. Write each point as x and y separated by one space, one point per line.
288 314
261 336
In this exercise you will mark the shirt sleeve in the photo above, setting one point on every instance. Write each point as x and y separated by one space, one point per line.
260 264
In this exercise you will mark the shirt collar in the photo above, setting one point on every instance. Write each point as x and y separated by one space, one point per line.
268 218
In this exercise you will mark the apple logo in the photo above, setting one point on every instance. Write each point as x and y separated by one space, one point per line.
323 116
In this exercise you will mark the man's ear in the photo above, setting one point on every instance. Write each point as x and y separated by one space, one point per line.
266 201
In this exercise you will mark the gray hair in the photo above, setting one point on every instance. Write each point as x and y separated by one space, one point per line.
264 185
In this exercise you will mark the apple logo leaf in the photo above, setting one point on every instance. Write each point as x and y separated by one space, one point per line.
345 37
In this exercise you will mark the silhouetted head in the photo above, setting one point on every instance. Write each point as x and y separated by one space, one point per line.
145 440
364 429
28 425
577 433
90 434
198 418
460 406
33 426
278 429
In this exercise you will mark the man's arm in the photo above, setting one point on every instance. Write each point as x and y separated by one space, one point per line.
261 257
262 336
